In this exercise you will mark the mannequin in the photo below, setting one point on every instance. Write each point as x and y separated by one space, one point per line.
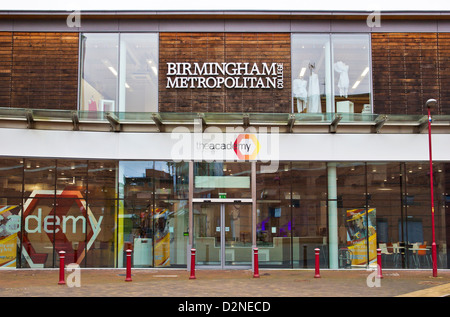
300 93
343 83
92 104
314 94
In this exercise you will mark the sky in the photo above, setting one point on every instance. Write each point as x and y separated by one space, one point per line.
252 5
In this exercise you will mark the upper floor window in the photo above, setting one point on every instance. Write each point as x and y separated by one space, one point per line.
119 72
331 73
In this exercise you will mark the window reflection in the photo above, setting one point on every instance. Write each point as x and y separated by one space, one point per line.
11 177
331 73
99 71
138 73
351 73
311 71
153 213
119 72
226 180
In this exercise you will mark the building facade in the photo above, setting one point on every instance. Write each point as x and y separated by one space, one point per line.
223 131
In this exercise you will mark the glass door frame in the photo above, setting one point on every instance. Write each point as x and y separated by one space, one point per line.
222 202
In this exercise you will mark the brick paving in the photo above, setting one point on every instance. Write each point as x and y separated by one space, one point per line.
167 283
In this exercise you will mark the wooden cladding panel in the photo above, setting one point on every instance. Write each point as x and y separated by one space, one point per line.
444 72
409 69
224 47
5 68
39 70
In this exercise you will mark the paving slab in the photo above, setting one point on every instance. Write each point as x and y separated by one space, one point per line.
161 283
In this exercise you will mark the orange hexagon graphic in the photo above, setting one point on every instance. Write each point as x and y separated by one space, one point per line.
238 150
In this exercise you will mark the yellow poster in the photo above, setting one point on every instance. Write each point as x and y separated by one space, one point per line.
162 238
8 236
362 236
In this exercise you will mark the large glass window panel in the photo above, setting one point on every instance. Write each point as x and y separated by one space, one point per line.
99 71
385 187
101 233
222 179
417 221
68 224
207 234
136 231
136 179
177 224
11 177
170 224
102 181
353 215
237 234
274 220
311 73
274 186
37 234
273 233
10 219
171 180
39 177
138 72
351 73
385 191
309 213
71 175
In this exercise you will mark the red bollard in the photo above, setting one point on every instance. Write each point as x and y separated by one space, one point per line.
255 263
380 273
192 277
128 278
317 275
61 267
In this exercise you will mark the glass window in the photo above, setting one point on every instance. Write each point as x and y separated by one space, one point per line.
331 73
352 215
222 180
10 216
71 176
351 73
99 71
102 182
38 232
100 233
274 216
67 226
309 213
39 177
119 72
11 177
153 212
138 72
311 73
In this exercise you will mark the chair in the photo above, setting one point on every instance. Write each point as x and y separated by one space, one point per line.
396 251
422 253
415 249
384 250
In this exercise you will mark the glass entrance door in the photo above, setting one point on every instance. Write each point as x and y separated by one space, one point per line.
222 234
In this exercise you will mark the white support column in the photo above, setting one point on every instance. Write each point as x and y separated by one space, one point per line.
333 244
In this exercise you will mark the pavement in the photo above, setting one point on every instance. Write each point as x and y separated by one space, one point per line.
271 283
